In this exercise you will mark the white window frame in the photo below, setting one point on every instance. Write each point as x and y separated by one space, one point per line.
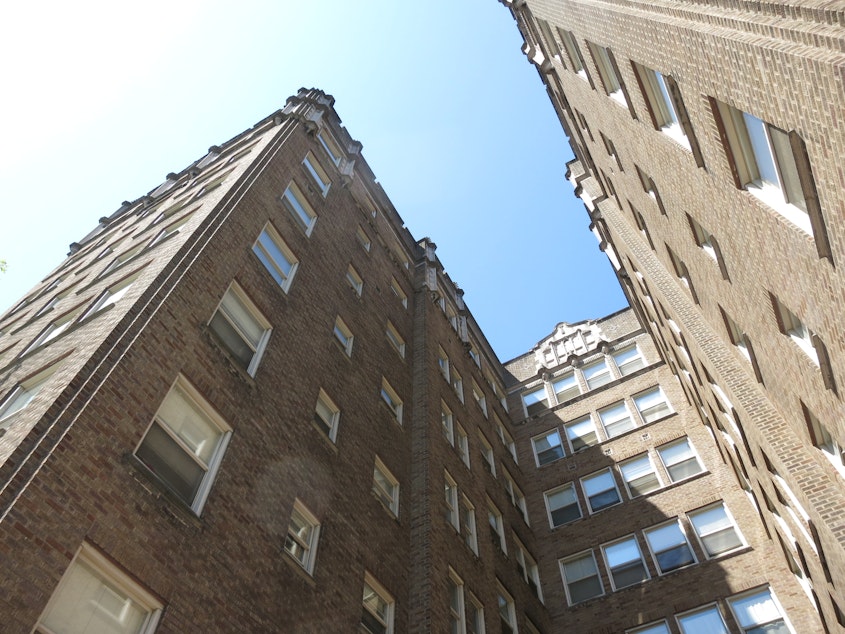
295 540
614 417
610 79
116 585
668 464
363 239
267 241
507 609
516 495
529 569
797 331
469 528
710 609
24 393
475 617
627 363
55 328
535 400
598 378
742 617
328 427
453 513
478 397
317 173
574 53
487 454
658 627
355 280
110 296
825 442
496 522
396 288
628 541
299 208
551 448
388 497
331 146
395 339
730 520
569 486
203 410
629 478
381 593
462 443
577 557
457 607
443 364
655 554
343 336
576 442
662 105
645 412
391 398
457 383
594 477
235 300
447 423
572 385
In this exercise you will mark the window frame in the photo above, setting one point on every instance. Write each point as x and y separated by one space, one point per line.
593 477
710 607
611 78
508 617
756 592
389 498
550 511
284 280
457 613
331 146
542 462
299 208
354 279
258 348
390 604
469 527
634 493
588 376
309 546
343 335
641 411
587 418
610 424
637 359
730 519
655 554
692 451
391 398
577 557
538 404
331 425
395 339
612 570
318 175
565 376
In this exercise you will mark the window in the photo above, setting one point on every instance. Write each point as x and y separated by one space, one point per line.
547 448
758 612
616 419
683 273
581 578
343 336
654 628
303 532
56 328
392 399
566 387
363 239
650 188
317 174
600 490
276 257
241 328
765 162
581 433
516 496
573 53
475 616
447 421
443 363
489 461
625 563
400 294
478 397
395 339
664 107
184 444
473 354
110 296
528 568
705 240
821 438
457 612
706 620
795 329
507 610
457 384
354 280
628 360
738 338
330 146
596 374
326 415
639 475
608 73
451 497
468 529
386 487
506 438
95 596
535 401
298 206
562 505
716 530
171 229
462 443
23 393
669 547
124 257
377 616
497 527
652 405
680 460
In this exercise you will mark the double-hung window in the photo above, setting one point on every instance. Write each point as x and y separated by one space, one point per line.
497 526
457 609
625 562
716 530
573 53
303 532
548 447
326 415
566 387
581 433
276 257
184 444
669 547
680 460
596 374
487 453
653 628
479 398
665 111
462 443
241 328
796 330
507 610
652 405
344 336
24 392
706 620
527 566
389 396
639 475
468 526
330 146
628 360
600 490
535 400
516 496
110 296
386 487
581 577
457 384
451 500
54 329
758 612
443 363
317 173
562 505
353 278
378 604
608 73
447 423
395 339
616 419
475 616
295 202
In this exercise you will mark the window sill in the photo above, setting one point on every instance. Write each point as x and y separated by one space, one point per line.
301 572
170 504
772 196
676 133
619 97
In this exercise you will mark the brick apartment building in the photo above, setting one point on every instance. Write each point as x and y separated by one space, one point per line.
708 140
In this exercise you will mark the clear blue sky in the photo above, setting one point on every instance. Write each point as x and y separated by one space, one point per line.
103 99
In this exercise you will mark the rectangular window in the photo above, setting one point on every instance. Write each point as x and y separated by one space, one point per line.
95 596
241 328
479 398
581 433
475 616
795 329
457 384
616 419
354 280
705 240
468 528
326 415
451 498
462 443
317 174
669 547
654 628
296 203
276 257
716 530
662 106
377 615
457 611
489 460
303 532
639 475
363 239
443 364
608 73
395 339
535 400
386 487
562 505
396 289
506 438
54 329
516 496
109 297
527 566
547 448
566 387
581 577
497 526
821 438
447 422
680 460
625 563
758 612
682 272
23 393
706 620
573 53
628 360
184 444
473 354
507 610
389 396
600 490
343 336
596 374
330 146
652 405
738 338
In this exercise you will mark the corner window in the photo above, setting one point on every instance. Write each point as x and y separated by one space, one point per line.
303 532
669 547
716 530
625 563
241 328
547 448
600 490
326 415
389 396
581 578
386 487
295 202
343 336
95 596
184 445
377 615
680 460
562 505
276 257
317 173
